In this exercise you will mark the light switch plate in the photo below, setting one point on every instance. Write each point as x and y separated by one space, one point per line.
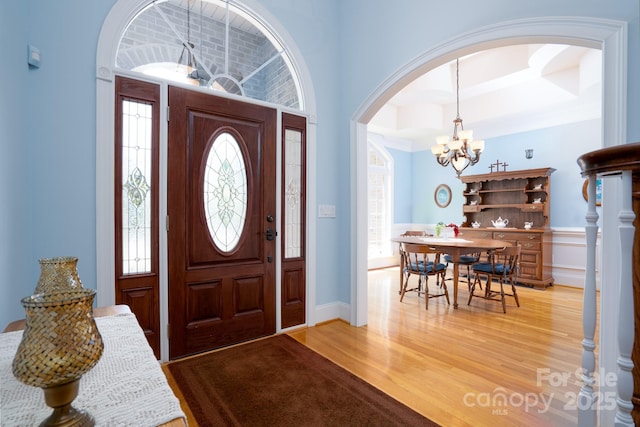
33 56
326 211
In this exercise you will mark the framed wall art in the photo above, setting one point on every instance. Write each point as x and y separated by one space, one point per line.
442 195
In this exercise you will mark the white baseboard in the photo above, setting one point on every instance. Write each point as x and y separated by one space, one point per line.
332 311
567 278
383 262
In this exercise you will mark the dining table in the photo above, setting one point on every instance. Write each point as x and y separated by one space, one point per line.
453 246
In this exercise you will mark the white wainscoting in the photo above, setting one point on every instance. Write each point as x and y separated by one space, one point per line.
570 255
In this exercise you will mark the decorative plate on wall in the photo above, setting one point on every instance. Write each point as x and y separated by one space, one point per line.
442 196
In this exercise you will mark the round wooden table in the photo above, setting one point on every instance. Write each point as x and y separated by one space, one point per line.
455 247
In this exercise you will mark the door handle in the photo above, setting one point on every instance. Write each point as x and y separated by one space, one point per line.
270 234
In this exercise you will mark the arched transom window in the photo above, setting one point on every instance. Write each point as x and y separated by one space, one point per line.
213 44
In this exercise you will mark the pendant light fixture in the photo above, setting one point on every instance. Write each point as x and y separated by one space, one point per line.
189 67
461 150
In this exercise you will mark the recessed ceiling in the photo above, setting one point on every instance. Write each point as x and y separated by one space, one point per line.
503 91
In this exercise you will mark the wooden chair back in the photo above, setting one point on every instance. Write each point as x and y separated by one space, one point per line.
414 233
503 265
416 255
423 261
508 257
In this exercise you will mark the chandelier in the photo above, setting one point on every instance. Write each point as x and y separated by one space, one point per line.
461 150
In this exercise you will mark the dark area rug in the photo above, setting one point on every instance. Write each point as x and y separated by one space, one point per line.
279 382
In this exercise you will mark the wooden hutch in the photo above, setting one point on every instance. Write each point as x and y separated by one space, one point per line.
519 197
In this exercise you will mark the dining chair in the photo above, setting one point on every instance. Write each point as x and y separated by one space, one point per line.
465 260
502 266
415 233
410 233
423 261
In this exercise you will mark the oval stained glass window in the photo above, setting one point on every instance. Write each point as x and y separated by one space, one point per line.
225 192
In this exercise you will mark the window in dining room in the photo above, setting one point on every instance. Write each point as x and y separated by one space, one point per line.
380 197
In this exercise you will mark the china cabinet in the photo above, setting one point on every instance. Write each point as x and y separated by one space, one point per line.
513 200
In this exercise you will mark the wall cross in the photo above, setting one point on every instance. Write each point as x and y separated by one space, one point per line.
497 165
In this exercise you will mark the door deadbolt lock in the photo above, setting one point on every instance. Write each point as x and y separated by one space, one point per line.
270 233
270 218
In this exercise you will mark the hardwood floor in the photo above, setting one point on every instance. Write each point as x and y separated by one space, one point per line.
473 366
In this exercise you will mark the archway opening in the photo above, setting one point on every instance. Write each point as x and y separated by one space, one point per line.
593 33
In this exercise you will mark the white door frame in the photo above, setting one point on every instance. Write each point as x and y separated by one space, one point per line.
122 12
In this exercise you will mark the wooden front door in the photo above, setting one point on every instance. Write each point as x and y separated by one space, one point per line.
221 206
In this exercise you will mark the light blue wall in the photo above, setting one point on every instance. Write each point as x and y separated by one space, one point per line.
430 174
47 135
311 23
16 188
61 99
48 142
557 147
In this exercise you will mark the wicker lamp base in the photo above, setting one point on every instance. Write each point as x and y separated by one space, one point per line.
60 343
64 415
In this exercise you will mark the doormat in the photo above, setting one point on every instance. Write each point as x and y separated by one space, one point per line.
278 381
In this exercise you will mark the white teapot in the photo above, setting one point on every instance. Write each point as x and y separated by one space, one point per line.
500 223
528 225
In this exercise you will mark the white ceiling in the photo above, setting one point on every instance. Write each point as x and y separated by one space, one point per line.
502 91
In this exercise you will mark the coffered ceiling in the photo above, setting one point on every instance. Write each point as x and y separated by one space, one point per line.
502 91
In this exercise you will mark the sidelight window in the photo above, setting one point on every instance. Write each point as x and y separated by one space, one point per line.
136 187
293 193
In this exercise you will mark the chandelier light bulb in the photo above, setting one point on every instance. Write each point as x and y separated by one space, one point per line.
442 139
466 135
477 145
460 163
455 144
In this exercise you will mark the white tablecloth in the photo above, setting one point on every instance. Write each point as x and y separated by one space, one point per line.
126 388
